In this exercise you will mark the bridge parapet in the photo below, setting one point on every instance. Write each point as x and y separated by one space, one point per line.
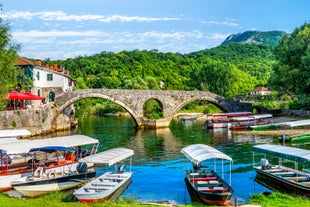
133 101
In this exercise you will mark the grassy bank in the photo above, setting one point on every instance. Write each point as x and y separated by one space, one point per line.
58 199
279 200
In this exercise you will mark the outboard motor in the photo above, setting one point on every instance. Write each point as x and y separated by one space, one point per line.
121 168
81 167
264 163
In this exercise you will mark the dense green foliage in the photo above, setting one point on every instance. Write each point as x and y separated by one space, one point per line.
8 72
226 70
292 72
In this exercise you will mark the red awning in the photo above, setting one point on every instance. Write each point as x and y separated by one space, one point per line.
33 96
15 95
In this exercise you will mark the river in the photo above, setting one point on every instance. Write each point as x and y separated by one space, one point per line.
158 166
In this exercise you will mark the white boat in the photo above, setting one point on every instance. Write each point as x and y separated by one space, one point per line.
206 185
222 120
45 180
6 133
247 121
21 162
110 185
280 177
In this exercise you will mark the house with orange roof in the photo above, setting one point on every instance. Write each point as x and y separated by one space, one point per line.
45 81
260 91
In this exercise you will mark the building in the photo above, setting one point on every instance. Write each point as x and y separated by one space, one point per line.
45 81
260 91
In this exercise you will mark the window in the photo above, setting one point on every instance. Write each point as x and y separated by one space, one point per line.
49 77
51 96
38 75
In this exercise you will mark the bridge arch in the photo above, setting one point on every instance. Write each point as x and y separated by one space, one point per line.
160 104
217 103
95 95
133 102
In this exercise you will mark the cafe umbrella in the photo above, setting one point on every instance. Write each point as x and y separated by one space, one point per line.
19 96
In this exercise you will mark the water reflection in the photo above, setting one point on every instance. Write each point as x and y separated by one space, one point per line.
159 166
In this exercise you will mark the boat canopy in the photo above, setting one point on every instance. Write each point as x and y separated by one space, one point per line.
50 149
289 153
232 114
109 157
23 146
253 117
8 140
297 123
14 133
198 153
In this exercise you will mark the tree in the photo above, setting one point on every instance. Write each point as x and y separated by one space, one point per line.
292 73
8 57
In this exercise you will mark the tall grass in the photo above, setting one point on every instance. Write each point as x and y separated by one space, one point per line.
60 199
277 199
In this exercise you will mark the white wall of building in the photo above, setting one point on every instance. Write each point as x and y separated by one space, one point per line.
57 80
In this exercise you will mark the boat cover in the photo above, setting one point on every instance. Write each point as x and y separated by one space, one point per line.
50 149
14 133
297 123
233 114
109 157
23 146
253 117
8 140
197 153
289 153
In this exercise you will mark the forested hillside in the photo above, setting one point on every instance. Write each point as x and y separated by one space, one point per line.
226 70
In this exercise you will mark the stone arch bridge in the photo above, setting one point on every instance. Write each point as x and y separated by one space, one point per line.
133 101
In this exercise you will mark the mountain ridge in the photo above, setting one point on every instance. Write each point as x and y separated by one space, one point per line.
256 37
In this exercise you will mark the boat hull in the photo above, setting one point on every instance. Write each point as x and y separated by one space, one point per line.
274 181
104 188
210 197
41 187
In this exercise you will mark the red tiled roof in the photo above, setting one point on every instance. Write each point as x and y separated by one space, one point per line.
260 89
24 61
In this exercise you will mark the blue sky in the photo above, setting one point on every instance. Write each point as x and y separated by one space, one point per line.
60 29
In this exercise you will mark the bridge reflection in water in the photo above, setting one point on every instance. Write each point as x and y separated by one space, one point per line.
158 163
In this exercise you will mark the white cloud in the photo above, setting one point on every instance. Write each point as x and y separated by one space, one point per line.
218 36
65 44
222 23
62 16
55 33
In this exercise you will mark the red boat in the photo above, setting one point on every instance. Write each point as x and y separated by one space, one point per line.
222 120
205 185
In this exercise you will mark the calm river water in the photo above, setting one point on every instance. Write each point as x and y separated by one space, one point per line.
158 165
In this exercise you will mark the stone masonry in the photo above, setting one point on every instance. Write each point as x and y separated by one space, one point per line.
56 116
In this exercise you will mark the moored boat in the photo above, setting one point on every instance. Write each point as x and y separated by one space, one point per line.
110 185
41 182
301 140
283 178
22 164
205 185
222 120
7 133
298 138
238 123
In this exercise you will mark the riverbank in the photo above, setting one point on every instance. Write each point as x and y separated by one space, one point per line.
277 119
277 132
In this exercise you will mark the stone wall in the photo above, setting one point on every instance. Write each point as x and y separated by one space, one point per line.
38 120
295 112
